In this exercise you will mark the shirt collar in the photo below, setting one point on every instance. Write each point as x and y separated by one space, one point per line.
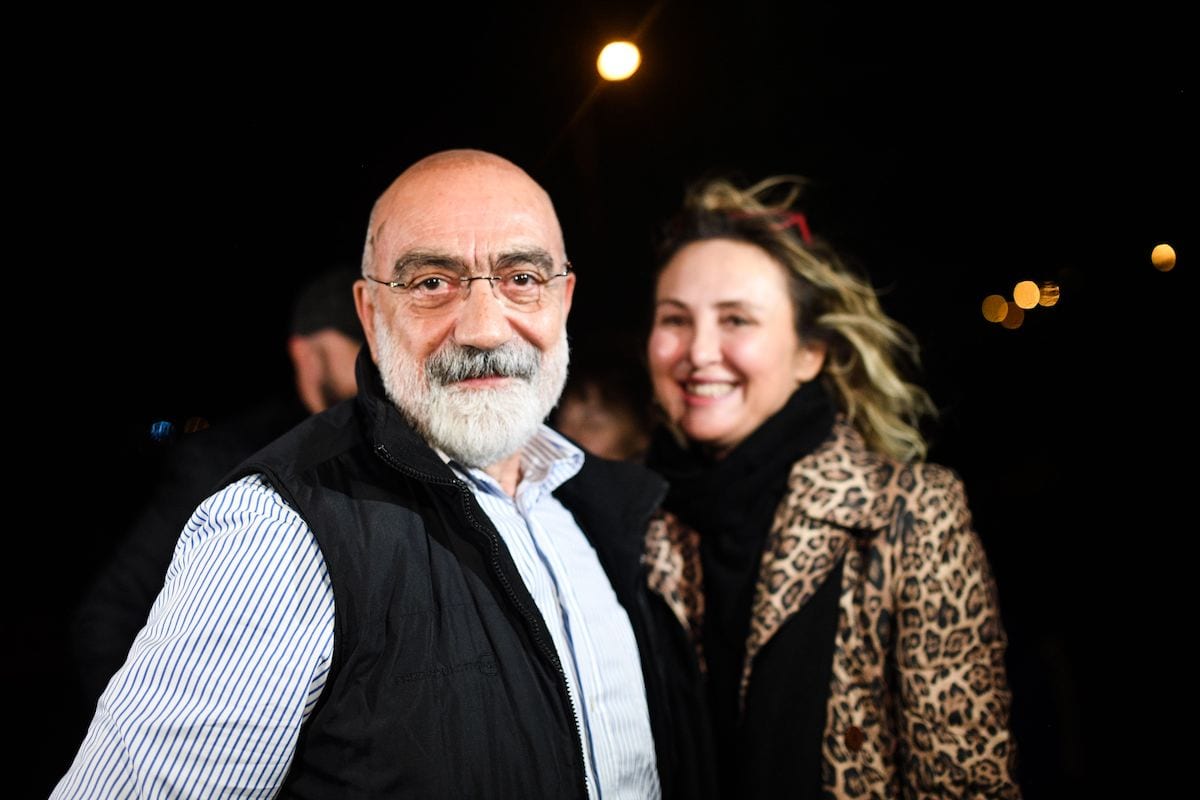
548 461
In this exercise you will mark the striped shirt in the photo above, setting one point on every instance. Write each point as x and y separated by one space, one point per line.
237 647
590 629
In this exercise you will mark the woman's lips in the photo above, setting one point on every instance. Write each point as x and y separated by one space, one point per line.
706 392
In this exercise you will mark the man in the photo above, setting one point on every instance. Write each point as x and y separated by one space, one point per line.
323 343
427 592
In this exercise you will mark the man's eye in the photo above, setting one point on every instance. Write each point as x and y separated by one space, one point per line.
432 283
522 279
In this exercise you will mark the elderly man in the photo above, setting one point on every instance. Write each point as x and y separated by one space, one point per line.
425 592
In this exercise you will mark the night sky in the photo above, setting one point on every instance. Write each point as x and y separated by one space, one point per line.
177 187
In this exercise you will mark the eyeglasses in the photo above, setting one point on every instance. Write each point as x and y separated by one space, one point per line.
436 288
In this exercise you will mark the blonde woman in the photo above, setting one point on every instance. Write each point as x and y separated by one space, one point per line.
831 581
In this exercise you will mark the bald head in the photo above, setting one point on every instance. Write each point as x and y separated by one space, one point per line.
453 192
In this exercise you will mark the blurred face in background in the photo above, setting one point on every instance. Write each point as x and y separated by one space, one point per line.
606 429
724 353
324 366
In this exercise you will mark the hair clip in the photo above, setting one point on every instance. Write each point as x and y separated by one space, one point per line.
789 219
801 223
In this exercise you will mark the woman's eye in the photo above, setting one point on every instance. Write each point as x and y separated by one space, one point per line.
736 321
672 321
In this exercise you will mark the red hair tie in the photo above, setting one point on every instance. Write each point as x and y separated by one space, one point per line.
801 223
792 218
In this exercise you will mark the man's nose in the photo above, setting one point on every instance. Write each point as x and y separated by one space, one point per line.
482 318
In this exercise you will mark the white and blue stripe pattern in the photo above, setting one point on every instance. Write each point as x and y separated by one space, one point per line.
237 647
232 659
590 629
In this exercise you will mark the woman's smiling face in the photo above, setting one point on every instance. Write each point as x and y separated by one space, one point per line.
724 353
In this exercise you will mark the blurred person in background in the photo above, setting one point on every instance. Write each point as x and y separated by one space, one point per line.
605 408
323 342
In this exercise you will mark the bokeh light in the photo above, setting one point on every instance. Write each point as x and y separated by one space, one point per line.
1026 294
618 60
1050 293
995 308
1163 257
1014 318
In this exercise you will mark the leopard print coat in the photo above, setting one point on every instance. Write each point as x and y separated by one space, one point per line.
919 702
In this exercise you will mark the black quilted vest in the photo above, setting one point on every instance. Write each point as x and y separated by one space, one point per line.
445 682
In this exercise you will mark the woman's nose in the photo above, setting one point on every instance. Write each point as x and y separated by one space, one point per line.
705 346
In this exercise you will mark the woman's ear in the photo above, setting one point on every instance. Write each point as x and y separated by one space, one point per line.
808 360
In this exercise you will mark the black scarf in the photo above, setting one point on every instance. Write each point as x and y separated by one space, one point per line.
731 502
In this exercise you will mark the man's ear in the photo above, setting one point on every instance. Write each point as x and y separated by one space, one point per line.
364 304
568 293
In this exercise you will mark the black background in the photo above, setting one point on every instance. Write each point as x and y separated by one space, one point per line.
176 184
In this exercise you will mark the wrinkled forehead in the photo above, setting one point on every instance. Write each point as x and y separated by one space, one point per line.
474 211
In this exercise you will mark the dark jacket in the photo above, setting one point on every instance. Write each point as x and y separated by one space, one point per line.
444 680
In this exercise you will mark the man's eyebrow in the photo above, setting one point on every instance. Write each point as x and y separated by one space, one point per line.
533 255
536 256
428 258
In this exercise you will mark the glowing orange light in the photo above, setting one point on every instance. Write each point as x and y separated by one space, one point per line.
618 60
995 308
1013 319
1049 294
1163 257
1026 294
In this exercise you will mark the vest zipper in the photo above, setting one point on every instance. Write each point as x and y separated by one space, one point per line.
546 648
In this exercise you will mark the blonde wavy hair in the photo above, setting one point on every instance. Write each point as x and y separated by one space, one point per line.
865 346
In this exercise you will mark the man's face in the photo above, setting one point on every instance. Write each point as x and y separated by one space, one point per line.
473 213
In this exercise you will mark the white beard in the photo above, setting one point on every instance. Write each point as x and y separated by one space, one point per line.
475 427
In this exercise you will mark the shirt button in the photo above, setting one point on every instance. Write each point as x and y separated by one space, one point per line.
854 738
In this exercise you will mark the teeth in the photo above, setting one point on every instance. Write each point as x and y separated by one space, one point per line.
710 389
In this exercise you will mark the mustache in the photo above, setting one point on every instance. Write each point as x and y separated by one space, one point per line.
454 363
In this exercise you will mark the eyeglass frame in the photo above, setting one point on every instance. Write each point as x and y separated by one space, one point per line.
467 279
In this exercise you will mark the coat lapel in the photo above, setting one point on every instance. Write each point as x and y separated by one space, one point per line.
837 495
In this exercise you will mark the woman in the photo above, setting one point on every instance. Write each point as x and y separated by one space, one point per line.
839 599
